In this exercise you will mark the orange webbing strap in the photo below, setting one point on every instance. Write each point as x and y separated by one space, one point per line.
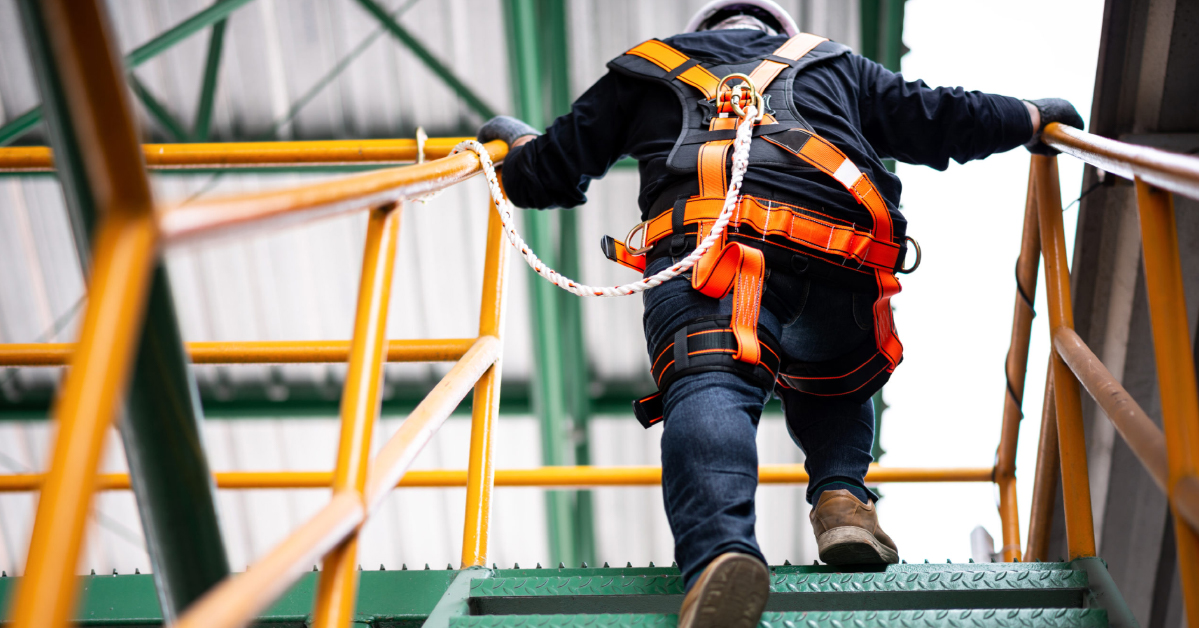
773 218
710 166
739 269
616 251
669 59
826 157
793 49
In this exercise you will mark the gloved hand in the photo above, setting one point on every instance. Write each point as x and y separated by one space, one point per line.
505 128
1052 110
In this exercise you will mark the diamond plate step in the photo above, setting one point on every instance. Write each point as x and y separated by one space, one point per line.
989 618
890 590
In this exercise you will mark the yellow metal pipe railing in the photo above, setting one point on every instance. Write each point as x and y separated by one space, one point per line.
235 155
485 406
1014 372
545 477
1081 536
238 599
1176 173
1045 478
1170 455
256 352
217 216
1176 373
338 582
125 247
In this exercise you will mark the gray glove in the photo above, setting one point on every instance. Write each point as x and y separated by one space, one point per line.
505 128
1052 110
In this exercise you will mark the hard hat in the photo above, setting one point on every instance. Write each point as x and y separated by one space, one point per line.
756 8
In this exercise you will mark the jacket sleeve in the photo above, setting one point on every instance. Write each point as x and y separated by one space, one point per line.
555 169
914 123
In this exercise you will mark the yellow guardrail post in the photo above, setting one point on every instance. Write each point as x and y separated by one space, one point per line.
1014 371
486 402
338 582
80 53
1176 374
1081 536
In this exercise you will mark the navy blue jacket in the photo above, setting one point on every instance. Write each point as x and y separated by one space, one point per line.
867 111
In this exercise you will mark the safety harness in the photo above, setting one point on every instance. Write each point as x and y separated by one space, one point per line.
762 233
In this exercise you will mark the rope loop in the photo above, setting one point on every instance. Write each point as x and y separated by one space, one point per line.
741 160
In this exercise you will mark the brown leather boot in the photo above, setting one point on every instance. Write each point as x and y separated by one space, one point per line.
730 593
848 531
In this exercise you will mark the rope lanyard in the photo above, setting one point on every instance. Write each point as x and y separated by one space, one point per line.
741 160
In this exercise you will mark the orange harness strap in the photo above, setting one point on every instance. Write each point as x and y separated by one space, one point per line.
822 154
793 49
669 59
774 218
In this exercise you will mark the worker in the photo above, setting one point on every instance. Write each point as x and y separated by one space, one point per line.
794 298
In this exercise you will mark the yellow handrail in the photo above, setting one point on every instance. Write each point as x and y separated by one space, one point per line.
256 352
1170 171
234 155
222 215
561 477
1170 455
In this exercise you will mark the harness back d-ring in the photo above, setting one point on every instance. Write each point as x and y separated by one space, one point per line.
917 262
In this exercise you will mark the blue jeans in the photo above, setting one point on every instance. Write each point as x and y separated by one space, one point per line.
709 455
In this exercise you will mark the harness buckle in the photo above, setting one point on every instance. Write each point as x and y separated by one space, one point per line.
644 248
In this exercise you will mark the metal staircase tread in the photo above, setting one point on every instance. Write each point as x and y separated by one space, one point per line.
944 580
976 618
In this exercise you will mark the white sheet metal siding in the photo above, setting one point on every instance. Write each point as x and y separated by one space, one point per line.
300 283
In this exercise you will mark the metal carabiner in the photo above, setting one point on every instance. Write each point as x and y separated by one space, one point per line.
735 98
917 262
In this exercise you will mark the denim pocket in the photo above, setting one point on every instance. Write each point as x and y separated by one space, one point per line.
786 295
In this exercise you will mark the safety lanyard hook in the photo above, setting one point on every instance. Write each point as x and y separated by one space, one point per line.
743 93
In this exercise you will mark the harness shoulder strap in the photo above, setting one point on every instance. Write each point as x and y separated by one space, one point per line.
791 51
677 65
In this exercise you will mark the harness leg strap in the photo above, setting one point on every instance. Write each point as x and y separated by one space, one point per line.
738 269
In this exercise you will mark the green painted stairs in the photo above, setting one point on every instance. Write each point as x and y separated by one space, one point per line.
1079 594
997 595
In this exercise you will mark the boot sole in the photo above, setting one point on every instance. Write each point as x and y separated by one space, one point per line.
732 596
849 545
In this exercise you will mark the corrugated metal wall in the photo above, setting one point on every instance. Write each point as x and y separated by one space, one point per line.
300 283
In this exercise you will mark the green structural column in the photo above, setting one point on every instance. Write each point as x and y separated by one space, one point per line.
557 72
541 84
161 423
882 23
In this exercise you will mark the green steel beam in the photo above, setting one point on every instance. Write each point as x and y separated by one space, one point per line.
525 59
160 422
216 12
437 67
208 88
516 399
158 110
882 28
394 598
557 72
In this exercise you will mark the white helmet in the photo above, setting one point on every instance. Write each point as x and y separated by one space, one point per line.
702 19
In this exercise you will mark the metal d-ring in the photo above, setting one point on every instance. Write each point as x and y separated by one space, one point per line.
917 262
642 250
756 98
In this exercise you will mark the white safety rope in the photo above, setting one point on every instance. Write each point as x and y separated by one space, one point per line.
741 159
